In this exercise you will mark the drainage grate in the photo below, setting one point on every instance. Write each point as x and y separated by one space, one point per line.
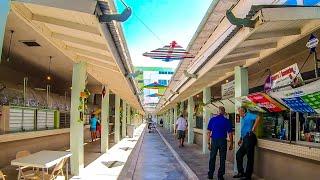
112 164
125 148
132 140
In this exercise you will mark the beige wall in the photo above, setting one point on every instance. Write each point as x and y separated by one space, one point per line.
271 165
8 150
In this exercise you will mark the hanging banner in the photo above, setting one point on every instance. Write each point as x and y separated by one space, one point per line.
305 99
246 102
286 77
227 90
264 101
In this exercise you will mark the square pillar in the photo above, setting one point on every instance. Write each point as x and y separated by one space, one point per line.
79 75
181 108
170 120
124 119
190 120
105 121
241 89
4 11
117 120
175 117
128 114
206 117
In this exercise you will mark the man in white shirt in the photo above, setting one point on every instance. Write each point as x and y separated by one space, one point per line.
181 126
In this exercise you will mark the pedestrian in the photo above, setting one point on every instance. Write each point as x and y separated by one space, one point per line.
218 129
98 129
247 142
93 127
161 122
181 126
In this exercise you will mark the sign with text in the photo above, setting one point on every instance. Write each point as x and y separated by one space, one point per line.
249 104
264 101
304 99
227 90
286 76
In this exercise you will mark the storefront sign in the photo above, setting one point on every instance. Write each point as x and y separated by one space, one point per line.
264 101
313 42
227 90
248 103
302 99
286 76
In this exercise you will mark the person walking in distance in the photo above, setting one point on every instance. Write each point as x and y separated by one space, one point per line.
247 142
181 126
93 127
218 128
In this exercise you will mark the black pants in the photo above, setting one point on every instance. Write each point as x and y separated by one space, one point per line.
221 146
246 148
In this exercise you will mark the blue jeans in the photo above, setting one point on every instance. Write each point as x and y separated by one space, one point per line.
221 146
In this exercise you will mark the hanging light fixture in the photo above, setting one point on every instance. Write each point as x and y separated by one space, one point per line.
10 43
49 69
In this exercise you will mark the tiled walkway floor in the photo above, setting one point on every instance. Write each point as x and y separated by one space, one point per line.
156 162
192 155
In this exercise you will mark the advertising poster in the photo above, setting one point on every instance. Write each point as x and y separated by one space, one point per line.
227 90
286 76
248 103
264 101
304 99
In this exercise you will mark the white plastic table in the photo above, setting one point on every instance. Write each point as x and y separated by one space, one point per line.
43 159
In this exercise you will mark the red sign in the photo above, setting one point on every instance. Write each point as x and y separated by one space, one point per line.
264 101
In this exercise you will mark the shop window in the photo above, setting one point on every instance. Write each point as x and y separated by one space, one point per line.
199 122
309 128
278 126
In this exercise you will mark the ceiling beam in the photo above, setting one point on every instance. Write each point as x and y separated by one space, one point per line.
102 62
277 33
106 56
254 48
77 40
97 65
67 24
239 58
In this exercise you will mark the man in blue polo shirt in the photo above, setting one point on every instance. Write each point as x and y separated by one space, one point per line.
218 128
247 142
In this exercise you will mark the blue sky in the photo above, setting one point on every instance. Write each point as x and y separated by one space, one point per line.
168 19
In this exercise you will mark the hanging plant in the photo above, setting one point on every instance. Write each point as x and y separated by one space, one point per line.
199 108
83 107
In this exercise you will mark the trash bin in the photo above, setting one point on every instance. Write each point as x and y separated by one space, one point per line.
130 130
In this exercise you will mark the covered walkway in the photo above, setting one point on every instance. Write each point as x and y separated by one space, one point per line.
156 161
192 155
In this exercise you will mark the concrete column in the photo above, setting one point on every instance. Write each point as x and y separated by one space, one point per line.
124 119
181 108
4 11
117 120
170 120
206 116
175 117
105 121
128 114
79 76
241 89
190 120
